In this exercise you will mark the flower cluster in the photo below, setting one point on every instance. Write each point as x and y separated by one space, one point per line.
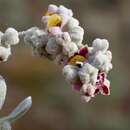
7 39
60 37
60 40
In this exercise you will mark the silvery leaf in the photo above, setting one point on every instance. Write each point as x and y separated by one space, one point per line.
5 126
3 90
20 110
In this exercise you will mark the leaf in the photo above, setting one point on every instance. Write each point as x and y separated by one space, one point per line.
3 89
20 110
5 126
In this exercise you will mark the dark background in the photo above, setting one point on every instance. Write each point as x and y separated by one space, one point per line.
55 105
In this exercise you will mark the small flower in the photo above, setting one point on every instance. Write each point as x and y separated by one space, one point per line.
10 37
100 45
54 20
81 56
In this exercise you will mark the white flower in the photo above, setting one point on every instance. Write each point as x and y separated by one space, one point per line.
34 36
69 48
100 45
11 37
102 61
109 55
52 46
72 22
88 73
84 77
71 73
52 8
64 10
66 37
76 35
4 53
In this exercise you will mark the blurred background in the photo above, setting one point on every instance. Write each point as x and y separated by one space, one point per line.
55 105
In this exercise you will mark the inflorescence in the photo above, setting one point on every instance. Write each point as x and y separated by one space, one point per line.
60 39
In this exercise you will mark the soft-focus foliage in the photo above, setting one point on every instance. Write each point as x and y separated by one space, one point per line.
19 111
55 106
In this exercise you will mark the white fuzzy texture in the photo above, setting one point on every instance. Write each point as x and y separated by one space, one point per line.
34 36
52 47
52 8
88 74
70 73
63 10
69 48
102 61
4 53
1 34
10 37
85 98
100 45
76 35
72 23
88 88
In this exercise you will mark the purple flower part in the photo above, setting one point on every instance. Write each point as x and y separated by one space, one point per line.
101 85
105 90
83 51
77 86
55 31
52 8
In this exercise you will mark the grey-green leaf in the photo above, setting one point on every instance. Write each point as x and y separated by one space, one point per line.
3 89
5 126
20 110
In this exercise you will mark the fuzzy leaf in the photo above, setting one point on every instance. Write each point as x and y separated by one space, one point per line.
5 126
3 90
20 110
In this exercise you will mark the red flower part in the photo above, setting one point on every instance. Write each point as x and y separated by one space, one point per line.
96 91
105 90
83 51
100 84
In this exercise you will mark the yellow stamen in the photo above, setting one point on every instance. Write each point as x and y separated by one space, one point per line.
54 20
77 58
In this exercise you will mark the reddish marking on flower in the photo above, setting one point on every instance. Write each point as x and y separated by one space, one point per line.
82 54
77 86
96 91
83 51
106 90
87 94
100 86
